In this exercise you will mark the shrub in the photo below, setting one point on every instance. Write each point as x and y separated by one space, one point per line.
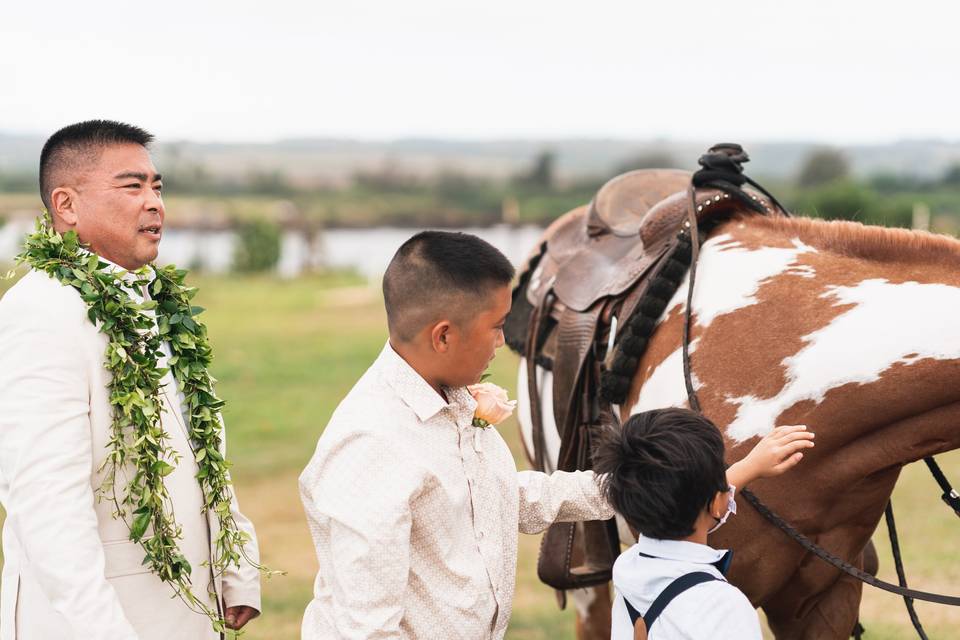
257 247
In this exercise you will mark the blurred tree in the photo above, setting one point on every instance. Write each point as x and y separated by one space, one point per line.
258 246
893 183
541 174
847 200
823 166
18 182
269 183
390 177
647 160
952 177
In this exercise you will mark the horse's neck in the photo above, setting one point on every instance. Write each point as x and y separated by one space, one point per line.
787 331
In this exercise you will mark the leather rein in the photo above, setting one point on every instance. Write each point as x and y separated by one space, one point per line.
950 496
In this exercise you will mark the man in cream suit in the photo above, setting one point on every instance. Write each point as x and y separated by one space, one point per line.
71 571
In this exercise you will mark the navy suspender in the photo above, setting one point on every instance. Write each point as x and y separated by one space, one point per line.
674 589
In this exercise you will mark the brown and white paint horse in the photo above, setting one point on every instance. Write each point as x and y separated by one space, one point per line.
849 329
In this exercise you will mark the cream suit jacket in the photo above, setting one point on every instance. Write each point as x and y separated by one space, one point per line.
70 570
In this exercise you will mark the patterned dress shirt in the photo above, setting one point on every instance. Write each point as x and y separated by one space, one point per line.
414 513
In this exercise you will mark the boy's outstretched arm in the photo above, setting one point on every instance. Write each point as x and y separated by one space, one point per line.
778 451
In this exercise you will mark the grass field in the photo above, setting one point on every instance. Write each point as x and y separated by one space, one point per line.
287 351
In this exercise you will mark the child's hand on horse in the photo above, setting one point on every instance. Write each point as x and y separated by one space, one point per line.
778 451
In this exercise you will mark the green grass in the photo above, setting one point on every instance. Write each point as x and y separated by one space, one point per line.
287 351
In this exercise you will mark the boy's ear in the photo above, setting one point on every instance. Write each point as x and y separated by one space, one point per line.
718 506
440 336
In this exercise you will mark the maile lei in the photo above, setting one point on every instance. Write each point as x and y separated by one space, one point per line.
140 456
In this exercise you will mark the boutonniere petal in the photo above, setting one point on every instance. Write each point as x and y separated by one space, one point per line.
493 404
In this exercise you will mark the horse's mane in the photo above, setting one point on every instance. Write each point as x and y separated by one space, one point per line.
882 244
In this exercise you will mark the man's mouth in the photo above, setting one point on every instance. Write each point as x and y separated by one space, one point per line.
151 230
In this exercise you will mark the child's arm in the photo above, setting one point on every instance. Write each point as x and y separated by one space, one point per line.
778 451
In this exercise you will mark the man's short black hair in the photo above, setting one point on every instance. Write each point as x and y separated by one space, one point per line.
440 273
663 468
81 143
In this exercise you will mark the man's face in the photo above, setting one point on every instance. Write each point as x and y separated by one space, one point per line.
475 343
118 208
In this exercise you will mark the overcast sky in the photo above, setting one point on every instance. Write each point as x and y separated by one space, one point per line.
840 71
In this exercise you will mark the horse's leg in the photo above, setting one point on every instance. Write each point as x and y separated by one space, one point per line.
831 614
593 612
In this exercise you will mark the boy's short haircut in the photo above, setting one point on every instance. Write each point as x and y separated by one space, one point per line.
661 470
439 274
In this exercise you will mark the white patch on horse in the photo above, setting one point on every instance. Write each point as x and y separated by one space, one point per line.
890 324
545 389
535 278
728 279
582 600
729 276
665 387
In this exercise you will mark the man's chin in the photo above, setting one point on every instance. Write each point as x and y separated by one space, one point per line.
148 256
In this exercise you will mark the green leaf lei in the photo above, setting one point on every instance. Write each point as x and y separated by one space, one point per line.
138 441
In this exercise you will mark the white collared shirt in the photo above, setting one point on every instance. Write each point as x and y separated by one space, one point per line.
716 610
414 513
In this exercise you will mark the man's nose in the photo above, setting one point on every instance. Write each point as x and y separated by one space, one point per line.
154 202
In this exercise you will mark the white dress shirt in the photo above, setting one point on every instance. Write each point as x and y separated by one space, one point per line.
414 513
716 610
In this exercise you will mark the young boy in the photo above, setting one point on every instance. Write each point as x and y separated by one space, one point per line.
664 472
414 511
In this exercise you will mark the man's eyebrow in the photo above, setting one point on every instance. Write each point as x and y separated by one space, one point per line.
142 177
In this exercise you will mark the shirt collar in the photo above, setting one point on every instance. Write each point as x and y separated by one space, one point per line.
680 550
417 393
128 277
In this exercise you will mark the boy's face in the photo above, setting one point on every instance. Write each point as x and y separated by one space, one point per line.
472 344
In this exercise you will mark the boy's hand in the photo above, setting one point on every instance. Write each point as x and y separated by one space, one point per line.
778 451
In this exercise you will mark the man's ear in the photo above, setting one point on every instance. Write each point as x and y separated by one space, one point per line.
63 201
440 336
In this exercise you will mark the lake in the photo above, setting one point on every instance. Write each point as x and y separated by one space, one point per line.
367 251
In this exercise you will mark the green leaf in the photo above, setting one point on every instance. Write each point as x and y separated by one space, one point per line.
162 468
93 263
141 521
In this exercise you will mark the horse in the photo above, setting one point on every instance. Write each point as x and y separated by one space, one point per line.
846 328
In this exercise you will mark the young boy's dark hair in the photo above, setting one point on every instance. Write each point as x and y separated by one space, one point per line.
661 470
440 272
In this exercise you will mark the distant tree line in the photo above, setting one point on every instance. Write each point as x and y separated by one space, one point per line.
823 186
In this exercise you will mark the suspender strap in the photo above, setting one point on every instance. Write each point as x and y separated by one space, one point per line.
675 588
634 614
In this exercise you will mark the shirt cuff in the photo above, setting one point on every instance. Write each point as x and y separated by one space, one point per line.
242 597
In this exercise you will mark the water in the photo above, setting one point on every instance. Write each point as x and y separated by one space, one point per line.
367 251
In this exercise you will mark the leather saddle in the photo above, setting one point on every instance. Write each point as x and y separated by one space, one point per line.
603 249
613 262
